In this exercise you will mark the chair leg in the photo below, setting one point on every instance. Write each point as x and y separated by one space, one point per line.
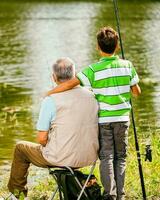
54 194
84 186
58 188
78 182
60 193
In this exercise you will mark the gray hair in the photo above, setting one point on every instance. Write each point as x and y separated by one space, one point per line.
64 69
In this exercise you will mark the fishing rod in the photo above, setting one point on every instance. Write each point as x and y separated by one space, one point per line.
132 113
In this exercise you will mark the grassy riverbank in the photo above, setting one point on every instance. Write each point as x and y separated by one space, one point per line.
41 184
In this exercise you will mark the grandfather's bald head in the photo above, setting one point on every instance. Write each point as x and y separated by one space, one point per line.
63 69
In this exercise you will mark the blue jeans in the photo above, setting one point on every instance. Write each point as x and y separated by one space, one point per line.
112 154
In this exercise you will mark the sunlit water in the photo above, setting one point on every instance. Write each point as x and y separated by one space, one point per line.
34 35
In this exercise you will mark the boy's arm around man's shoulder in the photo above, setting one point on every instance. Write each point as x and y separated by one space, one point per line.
67 85
136 90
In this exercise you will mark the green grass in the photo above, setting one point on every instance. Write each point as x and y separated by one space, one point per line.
150 170
41 184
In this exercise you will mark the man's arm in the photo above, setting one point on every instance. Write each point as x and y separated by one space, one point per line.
42 137
46 116
64 86
136 90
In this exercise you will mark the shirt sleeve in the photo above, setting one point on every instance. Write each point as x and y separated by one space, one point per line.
86 77
134 76
47 114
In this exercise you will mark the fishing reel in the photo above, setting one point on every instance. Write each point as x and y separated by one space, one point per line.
148 153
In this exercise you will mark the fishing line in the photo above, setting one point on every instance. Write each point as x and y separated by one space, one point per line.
132 113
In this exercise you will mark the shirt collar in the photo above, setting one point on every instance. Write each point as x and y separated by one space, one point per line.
109 58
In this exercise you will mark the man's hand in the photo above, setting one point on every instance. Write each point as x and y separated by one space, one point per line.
42 137
136 90
62 87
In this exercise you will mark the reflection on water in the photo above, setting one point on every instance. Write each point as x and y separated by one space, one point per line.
33 35
16 118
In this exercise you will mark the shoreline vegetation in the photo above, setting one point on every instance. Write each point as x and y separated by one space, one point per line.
41 184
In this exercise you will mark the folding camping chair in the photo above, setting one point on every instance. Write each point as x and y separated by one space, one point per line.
54 171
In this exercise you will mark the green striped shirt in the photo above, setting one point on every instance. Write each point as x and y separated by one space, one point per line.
111 79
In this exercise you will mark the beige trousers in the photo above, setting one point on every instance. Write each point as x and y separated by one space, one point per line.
24 154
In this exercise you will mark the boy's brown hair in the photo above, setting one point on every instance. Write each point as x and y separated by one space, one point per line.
107 39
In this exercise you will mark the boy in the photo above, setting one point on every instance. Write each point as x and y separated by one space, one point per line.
112 81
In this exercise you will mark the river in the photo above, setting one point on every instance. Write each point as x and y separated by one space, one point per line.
34 34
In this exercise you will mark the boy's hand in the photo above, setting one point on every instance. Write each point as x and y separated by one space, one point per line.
62 87
136 90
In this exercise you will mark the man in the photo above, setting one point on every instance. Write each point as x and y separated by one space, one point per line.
67 131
